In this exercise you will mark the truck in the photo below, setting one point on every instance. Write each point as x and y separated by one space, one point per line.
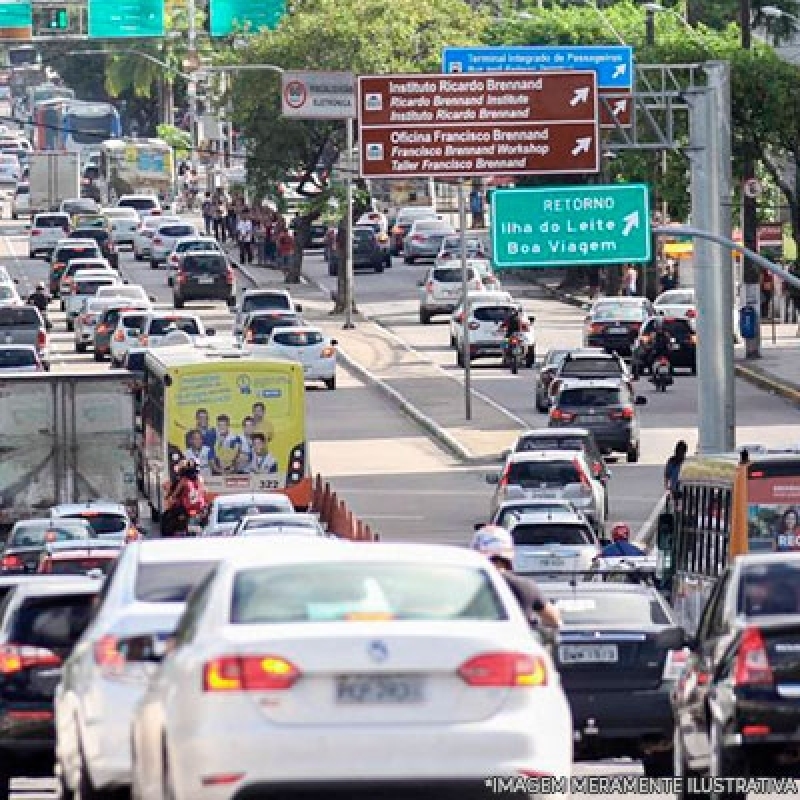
66 438
53 177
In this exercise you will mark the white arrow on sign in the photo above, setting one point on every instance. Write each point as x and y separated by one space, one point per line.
582 145
619 70
580 96
631 221
619 107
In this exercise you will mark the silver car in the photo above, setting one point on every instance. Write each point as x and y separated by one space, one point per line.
166 236
142 239
124 224
424 239
440 291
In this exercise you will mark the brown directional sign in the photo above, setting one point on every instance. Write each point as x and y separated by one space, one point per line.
521 123
615 105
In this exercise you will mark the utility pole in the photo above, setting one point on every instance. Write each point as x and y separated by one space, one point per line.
191 12
751 273
650 26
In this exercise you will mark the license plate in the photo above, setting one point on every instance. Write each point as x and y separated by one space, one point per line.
205 280
549 563
379 689
617 329
588 654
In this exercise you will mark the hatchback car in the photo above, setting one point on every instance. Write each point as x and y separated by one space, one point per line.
46 231
29 537
441 290
605 407
124 222
258 325
107 328
165 238
142 203
424 239
683 347
143 237
309 347
105 242
262 300
84 285
191 244
677 303
67 250
20 358
125 326
108 520
204 276
614 323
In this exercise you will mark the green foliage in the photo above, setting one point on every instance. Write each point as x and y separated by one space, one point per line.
180 141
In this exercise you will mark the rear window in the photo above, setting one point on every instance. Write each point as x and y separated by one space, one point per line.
260 302
431 226
188 247
447 275
610 608
98 234
297 339
492 313
216 265
170 582
75 206
263 326
176 230
619 313
21 317
362 235
229 514
133 321
23 188
676 299
80 566
160 327
103 524
282 522
680 328
589 397
591 366
541 535
37 537
54 623
17 358
511 514
334 592
71 253
543 474
51 221
90 287
769 589
536 443
135 361
139 203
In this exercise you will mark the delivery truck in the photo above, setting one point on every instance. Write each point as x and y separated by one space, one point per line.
53 177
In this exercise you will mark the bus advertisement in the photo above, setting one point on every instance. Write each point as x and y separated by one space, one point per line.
130 166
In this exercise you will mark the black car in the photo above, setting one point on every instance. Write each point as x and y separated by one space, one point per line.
367 252
259 325
619 654
204 276
40 623
614 323
104 241
684 344
29 538
745 665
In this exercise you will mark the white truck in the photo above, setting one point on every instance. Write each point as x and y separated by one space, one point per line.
53 177
66 438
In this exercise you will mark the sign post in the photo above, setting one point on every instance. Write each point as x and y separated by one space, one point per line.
556 226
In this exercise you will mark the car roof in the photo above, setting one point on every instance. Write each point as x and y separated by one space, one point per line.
564 517
243 498
83 544
273 312
76 243
602 586
103 274
545 455
592 383
100 506
77 584
299 329
766 559
549 433
165 551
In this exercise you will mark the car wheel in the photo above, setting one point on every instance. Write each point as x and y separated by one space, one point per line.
459 358
170 281
724 762
330 384
540 406
80 347
408 259
693 369
633 453
530 358
70 325
6 772
99 356
14 215
379 268
657 765
425 319
178 302
153 264
137 256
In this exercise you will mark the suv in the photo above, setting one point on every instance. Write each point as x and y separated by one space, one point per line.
142 203
46 232
487 337
107 519
41 622
605 407
204 276
589 363
65 251
368 253
105 242
159 324
684 346
166 237
24 325
440 292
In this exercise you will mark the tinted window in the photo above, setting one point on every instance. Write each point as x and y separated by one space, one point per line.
22 317
540 535
133 321
176 230
676 298
265 301
333 592
187 247
284 521
363 236
543 474
103 523
17 358
213 264
54 623
160 327
263 326
79 566
51 221
81 251
610 608
36 537
297 339
90 287
491 313
551 443
591 366
589 397
135 361
235 513
446 275
511 514
769 589
170 583
23 189
139 203
74 206
619 313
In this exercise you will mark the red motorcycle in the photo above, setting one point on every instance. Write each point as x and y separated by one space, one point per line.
662 373
515 352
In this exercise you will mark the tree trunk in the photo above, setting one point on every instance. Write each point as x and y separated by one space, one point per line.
340 297
302 237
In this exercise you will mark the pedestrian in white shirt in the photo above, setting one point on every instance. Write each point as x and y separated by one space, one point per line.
244 232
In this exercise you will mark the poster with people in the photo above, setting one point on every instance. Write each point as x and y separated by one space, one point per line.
773 514
238 427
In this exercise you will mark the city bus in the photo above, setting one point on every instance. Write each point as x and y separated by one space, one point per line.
48 124
131 166
86 125
258 445
726 505
48 91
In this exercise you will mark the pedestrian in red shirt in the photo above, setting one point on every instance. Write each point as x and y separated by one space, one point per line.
285 248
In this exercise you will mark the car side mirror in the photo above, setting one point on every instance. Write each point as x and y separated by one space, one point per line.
531 319
211 331
478 525
493 478
298 307
334 342
641 400
125 281
152 298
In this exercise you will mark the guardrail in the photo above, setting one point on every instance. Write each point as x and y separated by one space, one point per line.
337 517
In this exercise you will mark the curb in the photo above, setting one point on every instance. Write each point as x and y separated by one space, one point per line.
768 383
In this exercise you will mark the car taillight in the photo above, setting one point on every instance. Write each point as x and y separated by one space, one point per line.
328 352
58 267
173 259
622 413
417 237
15 658
249 674
11 562
561 416
504 670
41 338
144 340
647 338
248 335
181 277
691 313
693 338
36 232
229 275
158 240
473 326
596 328
459 318
119 336
675 664
107 655
429 287
752 664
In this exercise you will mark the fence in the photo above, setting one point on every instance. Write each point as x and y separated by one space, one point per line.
336 515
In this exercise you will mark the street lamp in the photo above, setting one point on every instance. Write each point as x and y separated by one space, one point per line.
773 12
657 8
604 19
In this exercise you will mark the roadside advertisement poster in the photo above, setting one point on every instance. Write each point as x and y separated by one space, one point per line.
237 426
773 514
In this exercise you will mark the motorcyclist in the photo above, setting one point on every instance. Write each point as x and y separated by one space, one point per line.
662 341
497 545
621 546
40 298
185 499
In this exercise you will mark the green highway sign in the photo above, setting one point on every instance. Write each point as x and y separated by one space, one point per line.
126 19
16 21
229 16
556 226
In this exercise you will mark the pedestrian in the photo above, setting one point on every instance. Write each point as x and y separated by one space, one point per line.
667 279
244 233
220 232
672 469
767 291
258 241
285 248
231 220
270 239
476 207
594 281
207 209
631 279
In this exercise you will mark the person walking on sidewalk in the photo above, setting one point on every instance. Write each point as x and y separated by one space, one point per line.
244 231
207 209
220 233
231 220
285 248
631 279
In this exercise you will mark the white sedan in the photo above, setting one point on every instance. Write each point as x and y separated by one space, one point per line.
401 664
9 296
310 347
676 303
124 224
143 238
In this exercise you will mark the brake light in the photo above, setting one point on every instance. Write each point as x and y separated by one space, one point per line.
596 327
11 562
473 326
229 275
647 338
158 240
752 664
107 655
249 673
248 335
624 413
328 352
15 658
691 313
417 237
36 232
459 318
561 416
429 287
675 664
58 267
119 336
144 340
41 338
693 338
506 670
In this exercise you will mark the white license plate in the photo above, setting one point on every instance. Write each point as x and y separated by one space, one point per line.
548 563
617 329
379 689
205 280
588 654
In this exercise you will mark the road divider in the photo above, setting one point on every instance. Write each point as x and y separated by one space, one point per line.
337 517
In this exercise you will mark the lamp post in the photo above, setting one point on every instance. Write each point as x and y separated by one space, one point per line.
657 8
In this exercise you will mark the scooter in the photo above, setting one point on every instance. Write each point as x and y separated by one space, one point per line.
515 352
662 374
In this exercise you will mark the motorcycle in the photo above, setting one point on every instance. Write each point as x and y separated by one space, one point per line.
662 373
195 525
515 352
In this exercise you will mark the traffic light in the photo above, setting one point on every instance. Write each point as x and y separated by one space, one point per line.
59 19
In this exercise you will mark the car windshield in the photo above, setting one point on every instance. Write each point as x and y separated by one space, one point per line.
165 582
492 313
356 591
591 397
39 533
298 338
161 327
591 366
767 589
18 357
543 474
258 302
677 298
228 514
19 317
609 608
188 247
176 230
263 326
103 523
139 203
550 533
90 287
452 275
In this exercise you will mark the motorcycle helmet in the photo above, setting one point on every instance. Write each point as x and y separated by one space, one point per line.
40 287
621 532
493 542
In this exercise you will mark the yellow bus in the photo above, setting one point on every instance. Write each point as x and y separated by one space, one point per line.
239 416
727 505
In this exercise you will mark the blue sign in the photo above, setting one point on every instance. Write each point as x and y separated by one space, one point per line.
613 64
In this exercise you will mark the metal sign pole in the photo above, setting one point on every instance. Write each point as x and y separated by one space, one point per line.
462 223
349 273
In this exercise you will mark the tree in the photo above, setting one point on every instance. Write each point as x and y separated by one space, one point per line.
361 36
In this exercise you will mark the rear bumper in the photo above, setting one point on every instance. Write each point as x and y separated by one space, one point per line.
617 441
613 344
442 307
212 292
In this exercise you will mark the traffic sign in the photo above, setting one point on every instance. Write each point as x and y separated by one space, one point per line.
554 226
16 21
616 108
227 16
318 95
613 64
126 19
529 123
